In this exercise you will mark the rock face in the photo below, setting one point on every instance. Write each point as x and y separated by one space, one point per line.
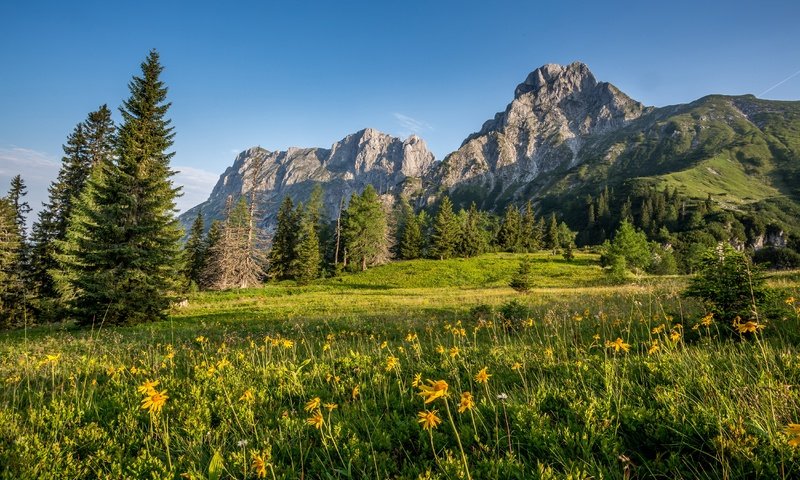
554 111
391 165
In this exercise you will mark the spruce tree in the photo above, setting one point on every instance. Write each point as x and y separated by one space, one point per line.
10 281
510 230
119 261
446 231
214 256
16 195
410 239
365 230
194 251
522 281
91 142
282 252
529 241
473 236
551 235
306 264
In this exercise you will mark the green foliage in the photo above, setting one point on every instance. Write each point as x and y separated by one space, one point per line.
10 280
446 231
474 237
282 252
729 285
365 230
509 238
411 240
119 261
306 264
522 281
194 251
629 244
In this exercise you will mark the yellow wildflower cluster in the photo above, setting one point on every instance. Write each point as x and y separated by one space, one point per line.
153 400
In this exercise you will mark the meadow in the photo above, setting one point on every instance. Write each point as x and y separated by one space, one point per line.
420 369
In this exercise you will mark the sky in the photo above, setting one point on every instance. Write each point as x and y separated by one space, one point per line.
291 73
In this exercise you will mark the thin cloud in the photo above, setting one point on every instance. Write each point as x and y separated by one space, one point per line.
197 185
779 83
37 170
411 125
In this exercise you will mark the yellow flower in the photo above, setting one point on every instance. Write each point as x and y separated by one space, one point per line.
793 430
707 320
330 406
259 466
439 349
747 327
316 420
384 344
653 348
391 363
147 387
516 366
466 403
428 419
247 396
482 376
313 404
790 302
618 345
154 401
454 352
659 329
356 392
417 380
287 344
433 390
675 335
222 364
201 339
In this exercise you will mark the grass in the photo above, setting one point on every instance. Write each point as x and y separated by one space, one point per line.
586 380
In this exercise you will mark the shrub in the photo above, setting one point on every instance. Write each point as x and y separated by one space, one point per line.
522 281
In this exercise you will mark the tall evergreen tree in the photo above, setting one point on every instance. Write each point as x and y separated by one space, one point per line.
529 241
446 231
473 236
282 252
10 282
194 251
214 257
16 195
91 143
365 230
119 258
307 259
551 235
510 230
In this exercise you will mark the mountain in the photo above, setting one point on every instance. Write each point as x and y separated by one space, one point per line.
563 140
391 165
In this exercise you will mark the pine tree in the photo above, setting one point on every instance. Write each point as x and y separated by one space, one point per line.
510 230
522 281
306 263
473 236
410 238
10 282
119 261
90 143
16 292
282 252
446 231
214 256
365 230
530 240
16 195
551 235
194 251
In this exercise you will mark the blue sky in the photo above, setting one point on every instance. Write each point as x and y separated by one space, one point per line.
280 74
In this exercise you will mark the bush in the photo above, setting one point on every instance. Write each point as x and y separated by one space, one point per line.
515 312
729 285
777 258
522 281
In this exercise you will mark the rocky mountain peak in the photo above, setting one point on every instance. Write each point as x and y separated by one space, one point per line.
554 77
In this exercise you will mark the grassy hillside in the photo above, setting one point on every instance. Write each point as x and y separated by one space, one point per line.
573 380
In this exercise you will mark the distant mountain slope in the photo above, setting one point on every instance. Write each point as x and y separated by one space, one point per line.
367 157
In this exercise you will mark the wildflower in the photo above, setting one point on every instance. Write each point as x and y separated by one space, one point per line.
330 406
52 358
356 392
707 320
326 347
653 348
675 335
433 390
466 403
659 329
439 349
316 420
247 396
482 376
201 339
618 345
411 337
154 401
793 429
417 380
747 327
224 363
384 344
259 466
313 404
516 366
287 344
790 301
428 419
596 337
391 363
502 397
148 387
548 352
242 443
454 352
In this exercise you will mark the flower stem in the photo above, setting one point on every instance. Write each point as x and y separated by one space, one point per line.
458 438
